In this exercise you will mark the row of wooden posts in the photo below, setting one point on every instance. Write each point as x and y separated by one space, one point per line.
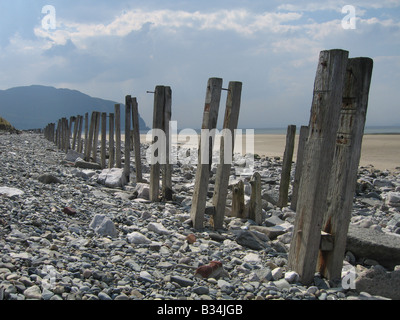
328 156
87 146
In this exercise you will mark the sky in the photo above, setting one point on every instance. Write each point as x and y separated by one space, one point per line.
109 49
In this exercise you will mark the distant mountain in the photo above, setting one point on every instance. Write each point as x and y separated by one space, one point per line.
34 107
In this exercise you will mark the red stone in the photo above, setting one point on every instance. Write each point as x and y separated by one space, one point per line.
69 211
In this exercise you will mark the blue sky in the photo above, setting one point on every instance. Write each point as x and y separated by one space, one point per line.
109 49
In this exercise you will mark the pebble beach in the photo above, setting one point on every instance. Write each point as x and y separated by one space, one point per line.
65 236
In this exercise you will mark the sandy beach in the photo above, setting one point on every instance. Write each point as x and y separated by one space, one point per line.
380 150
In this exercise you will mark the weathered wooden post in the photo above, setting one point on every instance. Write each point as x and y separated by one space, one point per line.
255 207
118 160
136 140
226 152
320 147
80 122
158 115
287 167
103 140
111 146
59 134
127 162
89 140
66 135
86 129
166 168
299 165
75 120
343 177
210 118
238 205
96 136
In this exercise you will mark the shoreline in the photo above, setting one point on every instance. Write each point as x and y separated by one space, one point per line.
381 150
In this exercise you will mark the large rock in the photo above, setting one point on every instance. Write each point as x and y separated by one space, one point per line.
112 178
10 192
250 240
379 246
103 226
142 191
393 199
378 282
275 231
79 163
49 179
73 155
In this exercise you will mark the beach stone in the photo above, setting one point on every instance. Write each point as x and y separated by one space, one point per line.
292 276
277 273
10 192
368 243
377 281
393 199
250 240
49 179
383 183
182 281
158 228
142 191
73 155
273 232
395 221
138 238
79 163
103 226
112 178
33 293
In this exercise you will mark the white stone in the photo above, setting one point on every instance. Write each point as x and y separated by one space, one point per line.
10 192
277 273
292 276
138 238
103 226
158 228
112 178
393 199
252 258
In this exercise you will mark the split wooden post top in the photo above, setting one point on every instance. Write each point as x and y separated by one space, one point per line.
226 152
210 118
317 163
343 178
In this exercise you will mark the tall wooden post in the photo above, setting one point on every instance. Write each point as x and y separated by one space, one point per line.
80 123
136 140
127 163
86 129
75 120
343 178
103 139
166 168
89 140
287 167
320 147
96 136
118 161
299 165
111 158
226 152
210 118
158 115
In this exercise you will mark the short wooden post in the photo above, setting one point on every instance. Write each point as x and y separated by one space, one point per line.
255 207
343 178
166 168
320 147
299 165
103 139
210 118
80 123
118 160
238 205
226 152
287 167
158 115
96 136
127 162
89 140
111 146
136 140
